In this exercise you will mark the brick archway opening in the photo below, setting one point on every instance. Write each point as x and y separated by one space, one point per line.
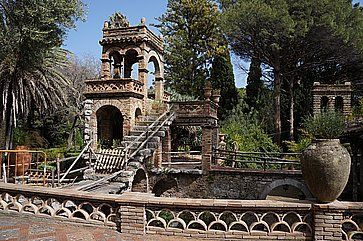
109 125
286 188
165 186
140 182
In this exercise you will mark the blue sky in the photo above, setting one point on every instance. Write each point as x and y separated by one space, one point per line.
84 40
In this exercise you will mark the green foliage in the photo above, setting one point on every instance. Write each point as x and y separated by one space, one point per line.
48 166
243 130
325 125
31 33
30 138
298 146
192 39
297 42
222 78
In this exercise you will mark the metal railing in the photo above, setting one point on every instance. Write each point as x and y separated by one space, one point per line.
182 159
256 160
127 154
25 167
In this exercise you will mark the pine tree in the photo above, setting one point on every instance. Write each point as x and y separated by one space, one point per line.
222 78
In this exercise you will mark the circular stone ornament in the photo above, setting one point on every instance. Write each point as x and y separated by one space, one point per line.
325 166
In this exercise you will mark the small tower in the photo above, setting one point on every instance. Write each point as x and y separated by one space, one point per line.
120 96
332 97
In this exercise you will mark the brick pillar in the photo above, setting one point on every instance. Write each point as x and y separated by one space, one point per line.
207 145
159 89
133 220
327 222
106 68
158 156
166 146
88 125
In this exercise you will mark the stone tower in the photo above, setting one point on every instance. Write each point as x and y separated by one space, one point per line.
119 97
332 97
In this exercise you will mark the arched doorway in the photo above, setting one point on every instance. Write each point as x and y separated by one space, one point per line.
109 126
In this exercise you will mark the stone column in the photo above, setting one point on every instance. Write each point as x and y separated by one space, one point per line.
207 147
105 67
159 89
166 143
87 124
327 221
158 156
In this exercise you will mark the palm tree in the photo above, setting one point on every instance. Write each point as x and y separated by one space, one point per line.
31 33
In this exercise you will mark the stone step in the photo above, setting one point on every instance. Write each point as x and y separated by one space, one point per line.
150 144
144 128
137 133
134 137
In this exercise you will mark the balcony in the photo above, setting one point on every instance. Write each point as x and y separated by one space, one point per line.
104 88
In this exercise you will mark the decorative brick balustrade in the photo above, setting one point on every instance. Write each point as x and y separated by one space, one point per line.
142 214
117 87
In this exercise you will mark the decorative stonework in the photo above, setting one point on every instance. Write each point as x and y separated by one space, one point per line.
125 49
248 222
103 214
352 225
332 97
107 88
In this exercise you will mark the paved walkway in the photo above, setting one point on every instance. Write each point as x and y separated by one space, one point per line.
16 227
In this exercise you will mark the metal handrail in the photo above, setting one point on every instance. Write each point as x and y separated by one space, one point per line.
125 155
5 169
260 158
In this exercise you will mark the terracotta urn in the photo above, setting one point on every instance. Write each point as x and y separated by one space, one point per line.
20 161
325 166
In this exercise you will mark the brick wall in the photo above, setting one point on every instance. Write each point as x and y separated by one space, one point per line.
218 184
142 214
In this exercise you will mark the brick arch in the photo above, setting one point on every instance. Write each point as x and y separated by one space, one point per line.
163 185
281 182
158 63
110 122
127 48
112 50
140 182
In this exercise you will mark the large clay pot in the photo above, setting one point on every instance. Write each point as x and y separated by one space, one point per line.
325 165
22 160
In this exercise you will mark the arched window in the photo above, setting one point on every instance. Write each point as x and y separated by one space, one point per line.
131 68
339 103
324 103
116 65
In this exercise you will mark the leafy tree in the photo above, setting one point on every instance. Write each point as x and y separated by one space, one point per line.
278 32
31 32
244 130
222 78
192 37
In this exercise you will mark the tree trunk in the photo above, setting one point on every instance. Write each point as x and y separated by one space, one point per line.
9 121
277 105
291 109
71 137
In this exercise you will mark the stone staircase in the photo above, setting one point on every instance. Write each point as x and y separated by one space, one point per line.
119 165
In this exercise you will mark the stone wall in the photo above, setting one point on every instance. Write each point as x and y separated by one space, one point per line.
127 107
143 214
222 184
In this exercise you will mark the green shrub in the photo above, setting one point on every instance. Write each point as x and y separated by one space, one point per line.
244 131
326 125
